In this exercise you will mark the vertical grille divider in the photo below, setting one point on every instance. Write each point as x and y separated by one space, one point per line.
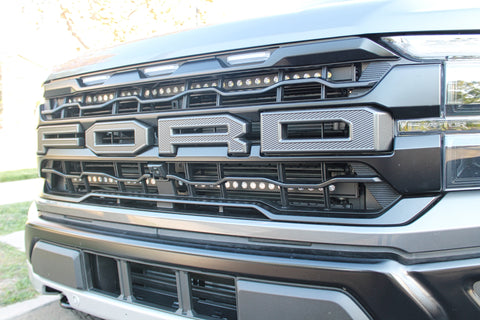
323 94
141 95
143 182
223 190
115 106
218 103
186 98
326 192
62 112
68 181
280 88
85 178
283 190
188 176
121 185
80 111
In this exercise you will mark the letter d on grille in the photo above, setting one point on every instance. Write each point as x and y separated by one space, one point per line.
326 130
202 130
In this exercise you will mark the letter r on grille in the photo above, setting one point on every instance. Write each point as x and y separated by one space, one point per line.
202 130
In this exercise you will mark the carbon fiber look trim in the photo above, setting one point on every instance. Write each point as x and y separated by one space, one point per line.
143 137
370 130
169 139
60 136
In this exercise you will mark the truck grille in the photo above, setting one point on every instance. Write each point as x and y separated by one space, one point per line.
116 130
277 191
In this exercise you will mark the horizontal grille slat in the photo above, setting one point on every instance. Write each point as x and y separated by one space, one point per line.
213 296
154 286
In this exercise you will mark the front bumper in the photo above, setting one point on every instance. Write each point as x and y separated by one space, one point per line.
427 269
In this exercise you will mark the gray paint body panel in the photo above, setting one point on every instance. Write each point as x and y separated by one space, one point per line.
350 18
258 300
437 230
59 264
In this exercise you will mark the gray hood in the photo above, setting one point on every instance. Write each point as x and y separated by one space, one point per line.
329 20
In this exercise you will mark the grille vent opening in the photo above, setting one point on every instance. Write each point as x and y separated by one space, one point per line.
202 100
213 297
252 99
103 274
209 296
154 286
316 130
115 137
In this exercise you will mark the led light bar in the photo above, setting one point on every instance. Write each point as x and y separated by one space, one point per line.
307 75
108 180
260 186
163 91
73 100
90 81
204 84
160 70
99 98
253 82
247 58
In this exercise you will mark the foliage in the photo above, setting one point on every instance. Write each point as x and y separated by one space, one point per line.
465 92
103 23
18 175
15 285
13 217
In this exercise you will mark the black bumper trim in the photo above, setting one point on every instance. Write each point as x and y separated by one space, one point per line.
386 289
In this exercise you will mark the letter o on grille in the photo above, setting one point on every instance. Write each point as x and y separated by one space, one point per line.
120 137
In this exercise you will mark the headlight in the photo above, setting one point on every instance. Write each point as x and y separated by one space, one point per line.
437 46
463 87
460 124
462 158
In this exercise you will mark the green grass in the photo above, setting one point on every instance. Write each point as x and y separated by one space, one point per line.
18 175
15 285
13 217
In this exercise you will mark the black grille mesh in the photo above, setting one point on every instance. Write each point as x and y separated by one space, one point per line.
263 87
250 190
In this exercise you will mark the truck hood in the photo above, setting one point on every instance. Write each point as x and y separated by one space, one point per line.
327 20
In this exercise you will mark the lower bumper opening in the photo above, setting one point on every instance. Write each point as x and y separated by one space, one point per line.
187 293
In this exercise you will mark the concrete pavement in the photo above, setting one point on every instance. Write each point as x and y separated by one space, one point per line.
20 191
15 239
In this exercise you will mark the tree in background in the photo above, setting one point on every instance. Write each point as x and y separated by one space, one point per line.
39 34
102 23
